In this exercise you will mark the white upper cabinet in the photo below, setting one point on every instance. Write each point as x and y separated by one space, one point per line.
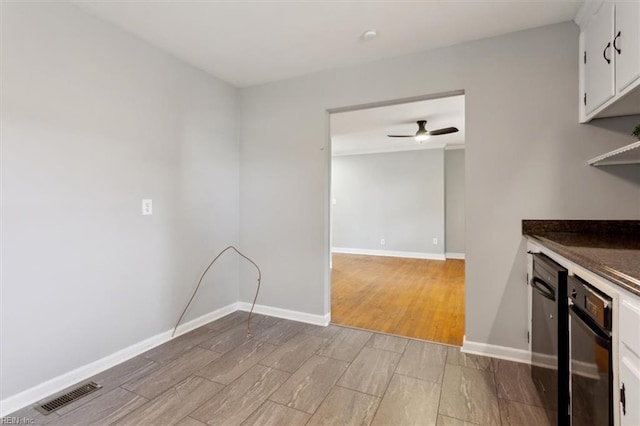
598 58
626 43
609 58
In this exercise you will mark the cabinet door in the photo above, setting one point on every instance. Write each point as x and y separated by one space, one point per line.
627 41
598 70
630 379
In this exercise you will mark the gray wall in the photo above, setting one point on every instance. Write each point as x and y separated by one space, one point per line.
398 196
94 120
454 200
525 158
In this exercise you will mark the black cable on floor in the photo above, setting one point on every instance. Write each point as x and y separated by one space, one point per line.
200 282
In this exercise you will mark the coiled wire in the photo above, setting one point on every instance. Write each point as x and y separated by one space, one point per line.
200 282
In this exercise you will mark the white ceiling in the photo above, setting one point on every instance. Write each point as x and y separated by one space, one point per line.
252 42
366 130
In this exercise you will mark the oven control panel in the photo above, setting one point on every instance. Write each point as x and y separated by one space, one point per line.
591 301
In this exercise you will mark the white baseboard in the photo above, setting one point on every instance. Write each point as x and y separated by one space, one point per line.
544 360
389 253
323 320
495 351
450 255
585 369
206 319
57 384
580 368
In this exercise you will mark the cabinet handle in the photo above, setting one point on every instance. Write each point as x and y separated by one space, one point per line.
614 43
623 400
604 53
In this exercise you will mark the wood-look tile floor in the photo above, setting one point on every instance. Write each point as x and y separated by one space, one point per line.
291 373
416 298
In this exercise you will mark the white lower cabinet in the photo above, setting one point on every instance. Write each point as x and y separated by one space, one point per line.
629 360
629 387
626 338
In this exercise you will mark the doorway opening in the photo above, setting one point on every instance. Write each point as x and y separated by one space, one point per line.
397 218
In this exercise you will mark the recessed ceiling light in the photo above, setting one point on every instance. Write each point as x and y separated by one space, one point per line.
369 35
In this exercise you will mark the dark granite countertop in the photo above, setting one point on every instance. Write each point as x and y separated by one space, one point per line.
610 249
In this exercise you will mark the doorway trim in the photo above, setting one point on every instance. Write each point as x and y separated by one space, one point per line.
327 189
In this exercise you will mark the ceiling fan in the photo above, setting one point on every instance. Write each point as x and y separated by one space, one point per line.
423 134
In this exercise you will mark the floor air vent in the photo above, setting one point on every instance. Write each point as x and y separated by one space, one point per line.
66 399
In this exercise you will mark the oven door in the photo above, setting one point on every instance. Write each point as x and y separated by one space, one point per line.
591 372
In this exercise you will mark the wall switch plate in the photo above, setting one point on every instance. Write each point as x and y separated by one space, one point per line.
382 242
334 202
147 207
435 241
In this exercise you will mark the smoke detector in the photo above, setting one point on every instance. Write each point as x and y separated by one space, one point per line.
369 35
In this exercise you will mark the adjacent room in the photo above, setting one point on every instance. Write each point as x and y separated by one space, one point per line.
397 219
279 212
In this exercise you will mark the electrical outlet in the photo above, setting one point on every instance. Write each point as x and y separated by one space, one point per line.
147 207
382 242
435 241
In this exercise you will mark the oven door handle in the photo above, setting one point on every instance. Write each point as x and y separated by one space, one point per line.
543 288
591 327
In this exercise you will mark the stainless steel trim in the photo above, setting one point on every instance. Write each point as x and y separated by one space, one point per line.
605 303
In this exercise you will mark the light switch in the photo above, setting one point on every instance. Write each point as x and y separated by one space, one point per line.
147 207
333 202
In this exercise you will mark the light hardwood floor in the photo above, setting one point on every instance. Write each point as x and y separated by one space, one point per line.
416 298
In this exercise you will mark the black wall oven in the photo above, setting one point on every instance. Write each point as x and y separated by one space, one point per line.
549 337
591 355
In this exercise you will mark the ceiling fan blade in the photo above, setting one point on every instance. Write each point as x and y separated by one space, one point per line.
443 131
402 136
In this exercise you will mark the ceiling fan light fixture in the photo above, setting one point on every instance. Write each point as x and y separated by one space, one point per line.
423 134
